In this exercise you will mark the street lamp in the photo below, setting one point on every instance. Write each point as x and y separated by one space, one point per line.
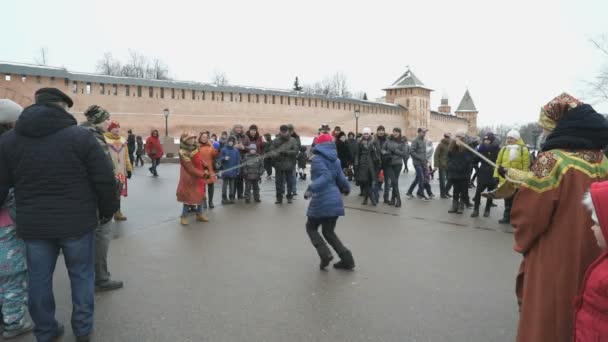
357 113
166 114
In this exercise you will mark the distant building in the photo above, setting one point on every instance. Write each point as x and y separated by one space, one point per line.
138 103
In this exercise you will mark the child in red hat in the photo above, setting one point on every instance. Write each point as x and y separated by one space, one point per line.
591 306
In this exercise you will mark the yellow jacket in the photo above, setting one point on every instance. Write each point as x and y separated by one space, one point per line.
520 162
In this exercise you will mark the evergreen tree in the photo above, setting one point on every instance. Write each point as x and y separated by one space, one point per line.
296 85
365 96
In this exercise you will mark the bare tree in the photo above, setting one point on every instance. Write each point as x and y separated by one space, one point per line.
219 78
107 65
42 58
598 88
158 70
339 85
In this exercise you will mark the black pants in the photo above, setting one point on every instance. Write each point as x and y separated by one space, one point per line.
268 166
239 185
138 160
252 185
392 172
210 192
285 176
155 163
228 185
481 187
328 226
461 189
508 206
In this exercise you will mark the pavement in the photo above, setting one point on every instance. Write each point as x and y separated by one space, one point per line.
251 273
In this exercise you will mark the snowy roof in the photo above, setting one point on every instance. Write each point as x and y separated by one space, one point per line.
45 71
407 80
466 104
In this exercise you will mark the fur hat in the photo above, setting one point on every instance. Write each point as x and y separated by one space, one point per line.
367 130
323 138
253 127
513 134
9 111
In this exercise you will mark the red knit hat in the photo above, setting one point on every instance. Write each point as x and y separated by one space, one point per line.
323 138
599 195
113 124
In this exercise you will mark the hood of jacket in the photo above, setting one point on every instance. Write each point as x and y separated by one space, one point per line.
326 150
40 120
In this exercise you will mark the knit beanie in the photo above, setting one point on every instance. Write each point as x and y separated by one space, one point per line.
113 124
253 127
9 111
380 128
513 134
96 114
323 138
367 130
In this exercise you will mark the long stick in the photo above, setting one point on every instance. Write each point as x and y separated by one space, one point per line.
491 163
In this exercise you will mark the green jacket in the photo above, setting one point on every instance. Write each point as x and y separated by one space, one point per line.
284 153
520 162
441 154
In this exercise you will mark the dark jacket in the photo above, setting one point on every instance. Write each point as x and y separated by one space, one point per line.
459 163
131 143
485 173
393 152
257 140
346 158
254 167
367 161
328 182
352 147
418 151
302 158
234 159
284 153
379 145
63 180
441 154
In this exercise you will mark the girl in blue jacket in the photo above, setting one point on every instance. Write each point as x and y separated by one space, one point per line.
328 183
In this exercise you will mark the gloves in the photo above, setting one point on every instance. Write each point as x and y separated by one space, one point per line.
307 194
104 220
502 171
128 174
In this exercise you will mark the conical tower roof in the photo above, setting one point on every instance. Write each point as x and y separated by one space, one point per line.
466 104
408 80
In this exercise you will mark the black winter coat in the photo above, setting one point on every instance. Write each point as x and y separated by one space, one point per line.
394 151
459 164
485 173
63 180
346 158
367 162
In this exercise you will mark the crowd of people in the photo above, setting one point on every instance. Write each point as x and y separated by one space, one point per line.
87 167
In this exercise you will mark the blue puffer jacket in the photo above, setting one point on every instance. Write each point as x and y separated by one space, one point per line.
230 164
328 182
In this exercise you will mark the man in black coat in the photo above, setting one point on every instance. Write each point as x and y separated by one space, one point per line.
64 186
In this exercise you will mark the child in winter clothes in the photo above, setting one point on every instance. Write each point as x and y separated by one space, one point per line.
231 158
591 306
302 160
139 152
193 175
13 269
253 170
327 184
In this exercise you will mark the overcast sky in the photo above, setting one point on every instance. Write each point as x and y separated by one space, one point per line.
513 55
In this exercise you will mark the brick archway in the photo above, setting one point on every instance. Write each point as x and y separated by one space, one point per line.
8 93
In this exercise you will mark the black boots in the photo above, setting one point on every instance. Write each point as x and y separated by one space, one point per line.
454 208
279 200
325 260
346 261
398 201
506 218
461 208
365 200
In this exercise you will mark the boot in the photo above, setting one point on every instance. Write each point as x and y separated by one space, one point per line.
373 200
118 216
506 218
346 261
109 285
461 208
475 212
184 221
200 217
392 202
325 260
454 208
365 200
257 200
289 200
486 213
398 201
279 200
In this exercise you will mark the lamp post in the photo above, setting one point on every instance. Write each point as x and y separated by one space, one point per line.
166 114
357 113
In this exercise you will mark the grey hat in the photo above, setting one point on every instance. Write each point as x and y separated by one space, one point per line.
9 111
